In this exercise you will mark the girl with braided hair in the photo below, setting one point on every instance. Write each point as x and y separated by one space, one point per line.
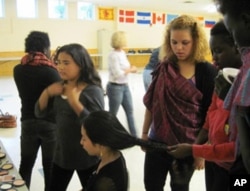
104 136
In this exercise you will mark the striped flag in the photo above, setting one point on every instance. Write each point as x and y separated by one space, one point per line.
209 24
158 18
106 13
144 18
126 16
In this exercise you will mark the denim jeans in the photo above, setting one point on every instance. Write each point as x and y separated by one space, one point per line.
157 166
35 134
147 78
120 95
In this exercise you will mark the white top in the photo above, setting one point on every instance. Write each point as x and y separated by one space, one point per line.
117 63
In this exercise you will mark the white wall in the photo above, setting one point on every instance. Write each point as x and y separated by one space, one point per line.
13 30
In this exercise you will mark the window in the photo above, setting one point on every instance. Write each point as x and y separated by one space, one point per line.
1 8
86 11
57 9
26 8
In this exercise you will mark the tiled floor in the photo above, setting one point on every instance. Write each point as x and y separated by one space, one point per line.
9 101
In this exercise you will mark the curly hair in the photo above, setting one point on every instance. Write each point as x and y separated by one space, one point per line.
183 22
118 39
233 7
37 41
82 58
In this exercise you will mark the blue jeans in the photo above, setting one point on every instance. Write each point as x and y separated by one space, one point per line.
147 78
159 163
120 95
35 134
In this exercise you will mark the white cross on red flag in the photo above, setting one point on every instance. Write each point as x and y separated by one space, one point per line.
126 16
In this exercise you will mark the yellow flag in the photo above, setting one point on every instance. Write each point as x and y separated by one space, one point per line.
200 20
106 13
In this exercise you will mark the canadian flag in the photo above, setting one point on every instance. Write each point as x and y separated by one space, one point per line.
126 16
158 18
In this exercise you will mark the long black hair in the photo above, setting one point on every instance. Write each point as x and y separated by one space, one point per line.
102 127
82 58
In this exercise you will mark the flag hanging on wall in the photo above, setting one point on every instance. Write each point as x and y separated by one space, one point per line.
126 16
171 17
106 13
200 20
158 18
209 24
144 18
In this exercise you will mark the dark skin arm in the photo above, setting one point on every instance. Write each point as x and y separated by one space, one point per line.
243 124
202 137
184 149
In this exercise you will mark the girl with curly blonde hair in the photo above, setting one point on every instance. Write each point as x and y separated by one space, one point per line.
176 102
200 48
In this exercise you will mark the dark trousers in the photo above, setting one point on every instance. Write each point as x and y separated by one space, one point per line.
61 177
159 163
217 178
35 134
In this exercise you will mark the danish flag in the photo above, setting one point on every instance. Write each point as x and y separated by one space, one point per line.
126 16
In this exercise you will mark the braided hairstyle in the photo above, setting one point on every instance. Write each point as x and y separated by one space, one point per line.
102 127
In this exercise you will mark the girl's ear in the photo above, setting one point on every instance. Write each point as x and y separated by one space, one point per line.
246 19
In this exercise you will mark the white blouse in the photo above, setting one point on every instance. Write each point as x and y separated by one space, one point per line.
117 63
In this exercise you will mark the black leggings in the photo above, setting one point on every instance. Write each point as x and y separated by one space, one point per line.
61 177
159 163
217 178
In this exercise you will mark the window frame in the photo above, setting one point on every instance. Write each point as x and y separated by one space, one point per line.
24 12
53 16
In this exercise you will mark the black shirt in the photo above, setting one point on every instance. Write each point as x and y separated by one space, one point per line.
112 177
30 82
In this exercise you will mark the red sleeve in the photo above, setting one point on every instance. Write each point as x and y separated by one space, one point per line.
211 108
220 152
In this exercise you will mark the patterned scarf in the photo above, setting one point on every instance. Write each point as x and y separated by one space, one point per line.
37 59
175 104
238 94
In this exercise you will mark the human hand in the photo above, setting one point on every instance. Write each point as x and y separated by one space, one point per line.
222 86
180 150
133 69
72 94
199 163
55 89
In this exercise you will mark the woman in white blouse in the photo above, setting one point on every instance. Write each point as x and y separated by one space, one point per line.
117 88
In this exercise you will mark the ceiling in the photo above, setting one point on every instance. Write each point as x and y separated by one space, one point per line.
180 6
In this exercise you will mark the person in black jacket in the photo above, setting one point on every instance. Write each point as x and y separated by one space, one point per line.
32 76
